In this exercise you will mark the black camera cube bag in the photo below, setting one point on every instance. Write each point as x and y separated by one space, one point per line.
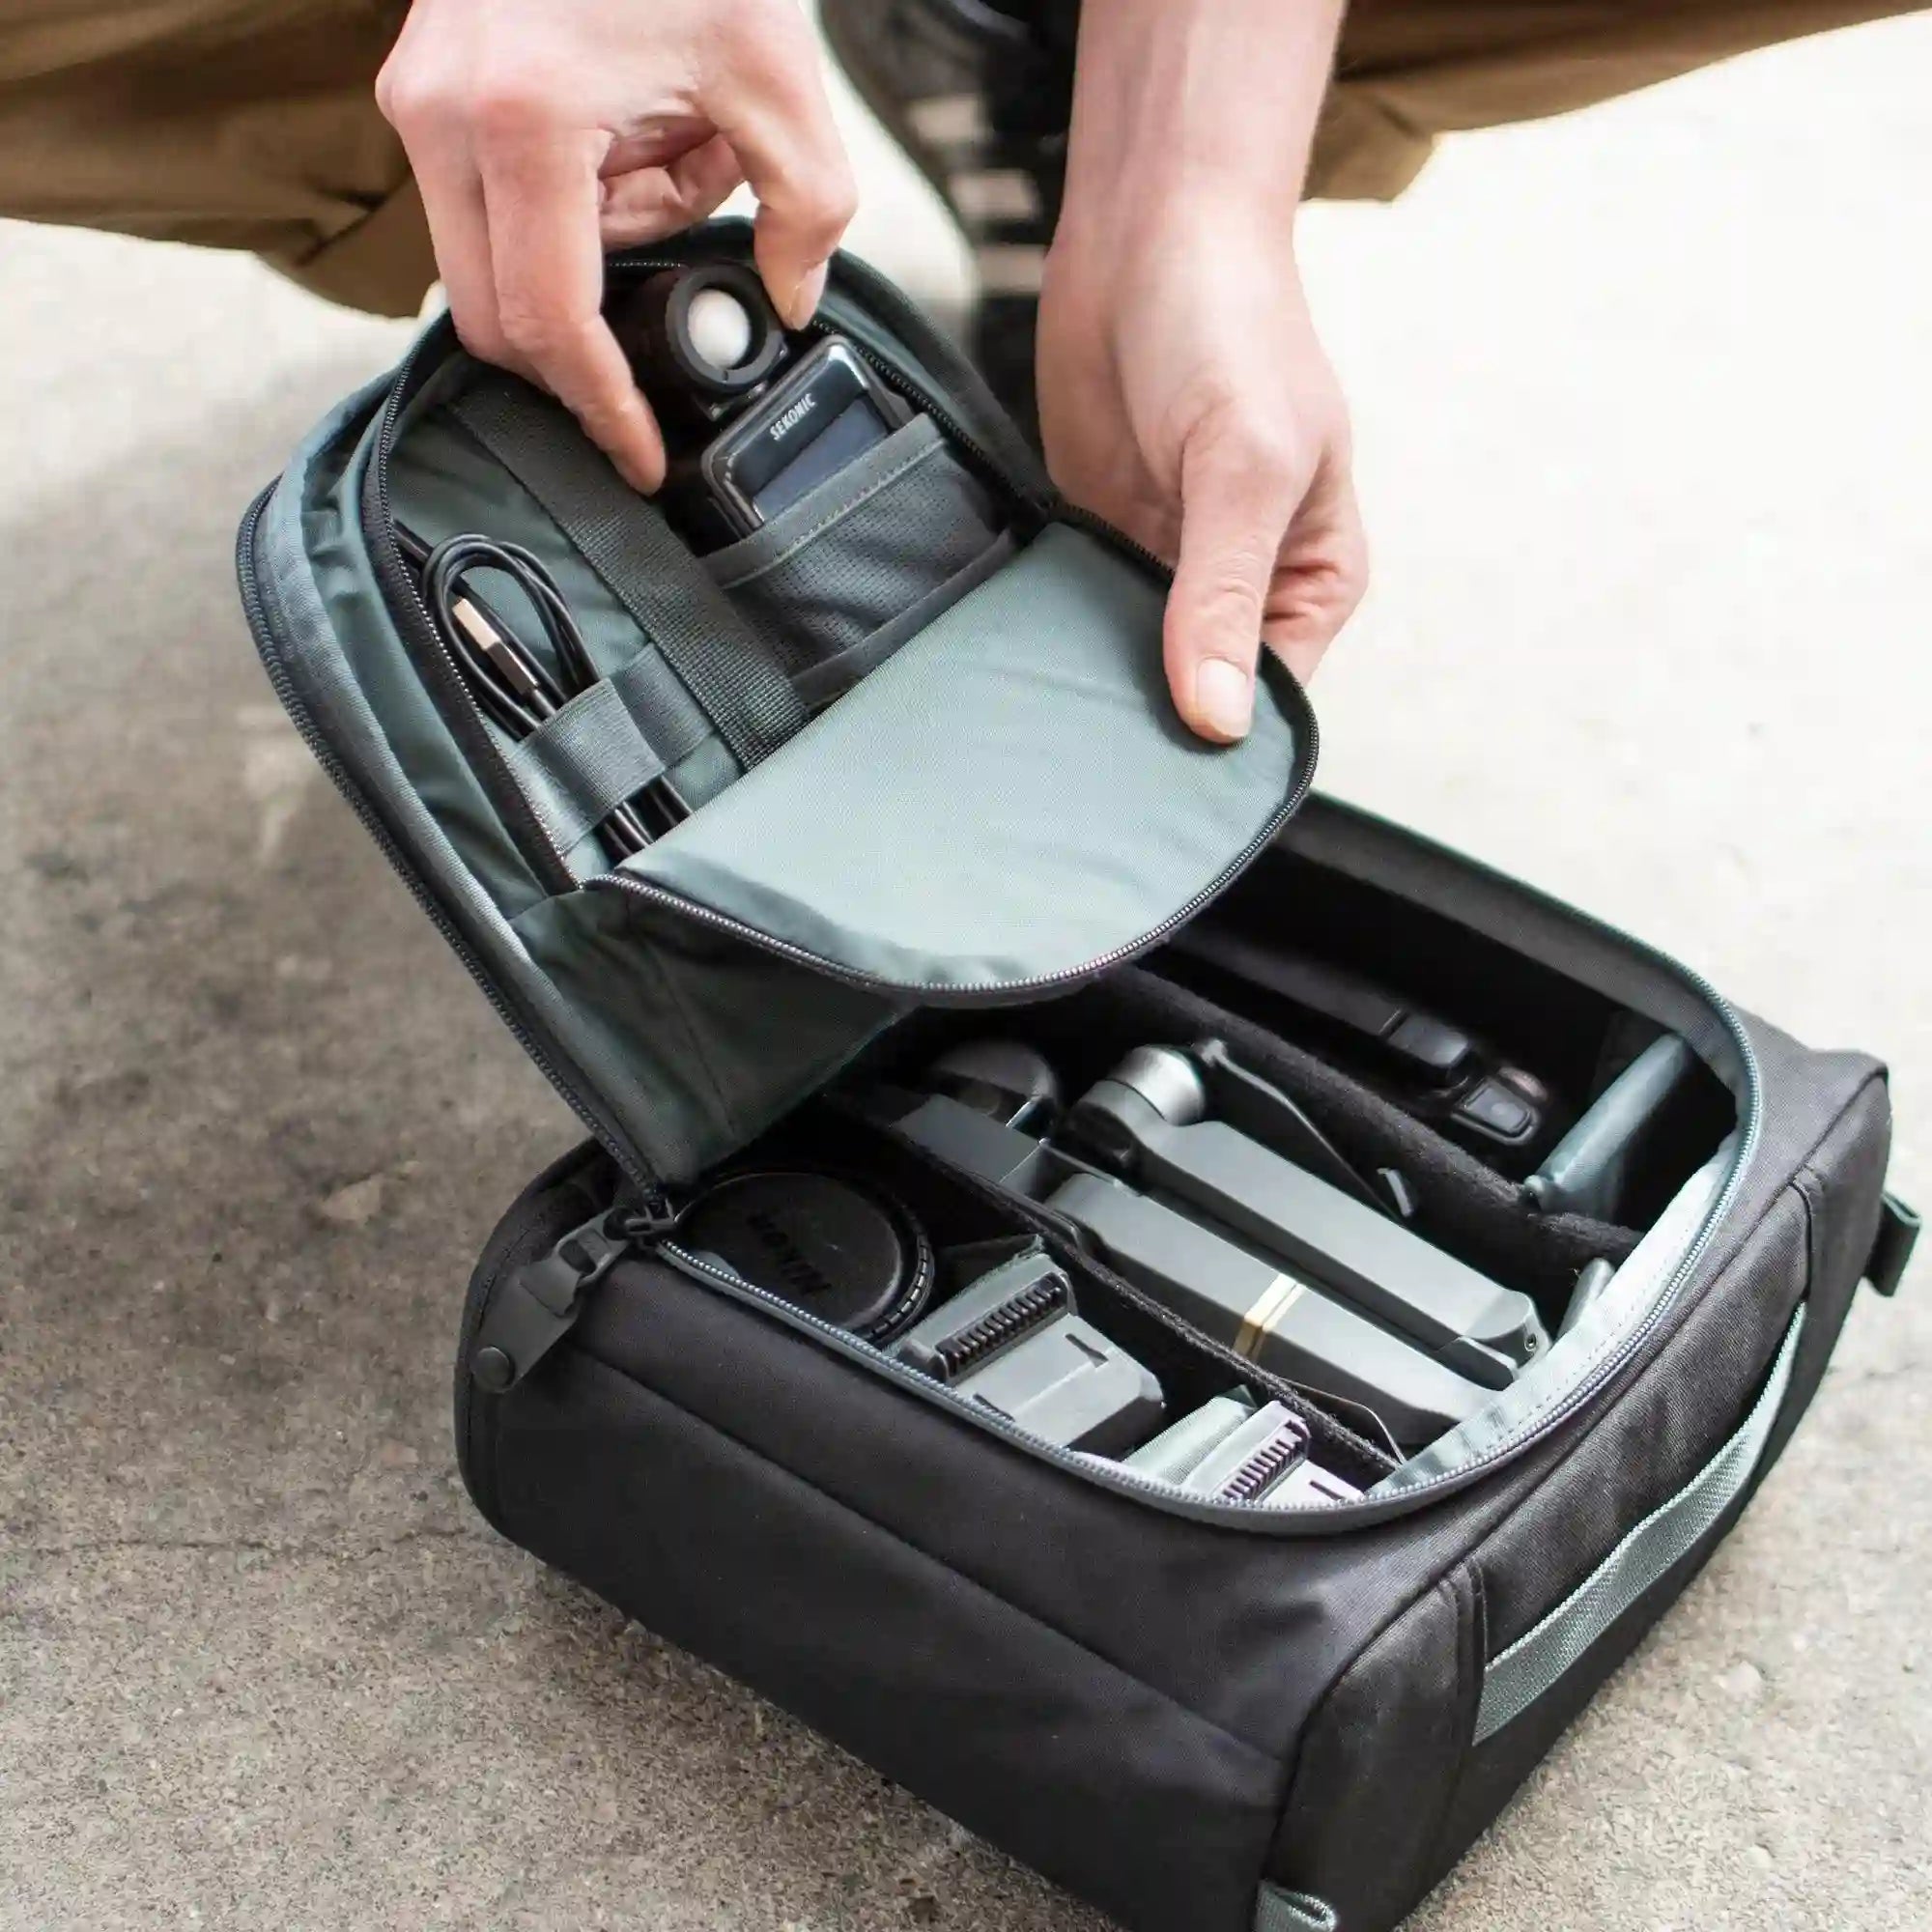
1201 1715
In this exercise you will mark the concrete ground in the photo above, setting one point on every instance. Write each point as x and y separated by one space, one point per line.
1645 434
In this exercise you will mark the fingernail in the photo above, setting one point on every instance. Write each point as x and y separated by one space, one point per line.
804 297
1224 697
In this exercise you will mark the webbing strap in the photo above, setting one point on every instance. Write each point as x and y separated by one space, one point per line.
665 712
625 539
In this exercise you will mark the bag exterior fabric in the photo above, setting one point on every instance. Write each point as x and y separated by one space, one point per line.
1195 1728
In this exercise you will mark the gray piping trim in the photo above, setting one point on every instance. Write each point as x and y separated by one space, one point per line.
1538 1659
305 637
1278 1911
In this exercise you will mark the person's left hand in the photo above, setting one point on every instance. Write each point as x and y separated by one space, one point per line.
1183 397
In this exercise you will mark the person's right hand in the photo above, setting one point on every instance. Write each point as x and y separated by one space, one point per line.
1184 397
544 131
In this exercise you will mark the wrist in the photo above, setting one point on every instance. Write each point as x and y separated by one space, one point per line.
1115 256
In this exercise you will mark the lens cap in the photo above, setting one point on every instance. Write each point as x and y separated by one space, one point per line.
842 1250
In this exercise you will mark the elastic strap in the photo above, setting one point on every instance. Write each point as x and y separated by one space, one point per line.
575 768
625 539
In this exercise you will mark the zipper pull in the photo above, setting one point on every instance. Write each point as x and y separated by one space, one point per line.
539 1304
649 1217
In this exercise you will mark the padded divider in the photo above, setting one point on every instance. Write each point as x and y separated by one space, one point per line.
1008 800
888 530
1529 1013
1464 1205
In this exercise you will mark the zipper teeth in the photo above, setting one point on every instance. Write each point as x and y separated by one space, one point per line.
1068 976
1058 508
325 755
658 1238
1286 1519
1110 1474
394 565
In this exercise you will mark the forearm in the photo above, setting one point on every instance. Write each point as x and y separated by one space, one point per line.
1214 93
1193 124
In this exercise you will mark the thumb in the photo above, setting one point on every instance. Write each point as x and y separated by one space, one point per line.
1235 506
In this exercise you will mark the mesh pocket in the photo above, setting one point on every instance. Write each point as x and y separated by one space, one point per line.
890 529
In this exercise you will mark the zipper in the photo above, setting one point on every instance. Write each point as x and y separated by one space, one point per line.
1113 1474
543 1300
1337 1516
325 755
657 1220
538 1303
1055 508
992 990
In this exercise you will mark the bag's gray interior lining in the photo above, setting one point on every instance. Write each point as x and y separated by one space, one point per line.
835 584
1069 654
1008 799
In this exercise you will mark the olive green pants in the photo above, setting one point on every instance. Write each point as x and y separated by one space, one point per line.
251 124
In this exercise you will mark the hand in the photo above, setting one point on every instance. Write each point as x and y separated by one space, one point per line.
1186 398
544 131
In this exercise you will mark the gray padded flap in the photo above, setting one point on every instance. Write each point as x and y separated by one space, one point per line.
1008 799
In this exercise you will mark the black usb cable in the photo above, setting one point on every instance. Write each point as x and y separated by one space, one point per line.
511 683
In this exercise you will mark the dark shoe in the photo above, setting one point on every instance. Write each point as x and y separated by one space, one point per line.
979 99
